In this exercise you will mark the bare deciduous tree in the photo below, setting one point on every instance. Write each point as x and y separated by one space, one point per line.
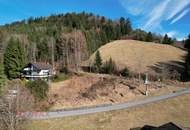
17 99
165 74
73 49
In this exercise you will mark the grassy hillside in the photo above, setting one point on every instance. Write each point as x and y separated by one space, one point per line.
138 55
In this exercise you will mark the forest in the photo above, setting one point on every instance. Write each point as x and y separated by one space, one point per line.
65 39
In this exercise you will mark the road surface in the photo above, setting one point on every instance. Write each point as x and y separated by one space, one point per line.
105 108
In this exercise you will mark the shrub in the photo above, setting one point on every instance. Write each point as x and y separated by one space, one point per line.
125 72
64 70
109 67
39 89
98 61
60 77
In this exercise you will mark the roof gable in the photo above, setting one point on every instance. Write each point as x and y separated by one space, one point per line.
40 66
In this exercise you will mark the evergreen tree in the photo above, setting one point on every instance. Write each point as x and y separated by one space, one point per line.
187 42
98 61
14 59
109 67
122 25
2 76
187 45
109 30
187 67
149 37
103 37
43 50
118 31
128 27
167 40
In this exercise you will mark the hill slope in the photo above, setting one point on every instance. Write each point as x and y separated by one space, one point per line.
139 56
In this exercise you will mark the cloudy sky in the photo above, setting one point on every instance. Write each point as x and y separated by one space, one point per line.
160 16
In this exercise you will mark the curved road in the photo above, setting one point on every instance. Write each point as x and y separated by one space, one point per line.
83 111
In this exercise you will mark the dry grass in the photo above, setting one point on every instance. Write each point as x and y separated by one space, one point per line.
96 89
137 55
175 110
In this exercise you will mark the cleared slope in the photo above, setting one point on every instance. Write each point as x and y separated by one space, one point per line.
137 55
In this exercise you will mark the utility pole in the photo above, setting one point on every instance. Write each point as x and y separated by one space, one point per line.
146 84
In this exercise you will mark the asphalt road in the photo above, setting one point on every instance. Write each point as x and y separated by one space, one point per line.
105 108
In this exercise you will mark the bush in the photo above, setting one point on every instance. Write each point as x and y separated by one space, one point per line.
64 70
60 77
98 62
125 72
39 89
109 67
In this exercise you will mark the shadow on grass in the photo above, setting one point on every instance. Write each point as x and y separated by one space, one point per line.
172 68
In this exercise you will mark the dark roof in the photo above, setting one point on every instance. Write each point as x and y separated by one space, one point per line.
168 126
41 66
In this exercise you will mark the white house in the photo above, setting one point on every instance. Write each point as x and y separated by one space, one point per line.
35 71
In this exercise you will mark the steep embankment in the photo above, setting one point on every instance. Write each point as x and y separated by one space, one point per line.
140 56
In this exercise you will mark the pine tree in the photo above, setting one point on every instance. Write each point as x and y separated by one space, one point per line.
167 40
104 39
109 67
187 42
122 25
128 27
187 67
187 45
98 61
118 31
43 50
14 59
149 37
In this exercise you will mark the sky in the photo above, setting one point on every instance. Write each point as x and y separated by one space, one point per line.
159 16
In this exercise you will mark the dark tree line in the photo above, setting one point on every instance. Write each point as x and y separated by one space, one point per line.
98 30
187 46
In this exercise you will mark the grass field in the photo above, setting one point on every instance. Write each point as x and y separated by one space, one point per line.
175 110
137 55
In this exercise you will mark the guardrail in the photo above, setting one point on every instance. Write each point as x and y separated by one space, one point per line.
38 114
83 108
